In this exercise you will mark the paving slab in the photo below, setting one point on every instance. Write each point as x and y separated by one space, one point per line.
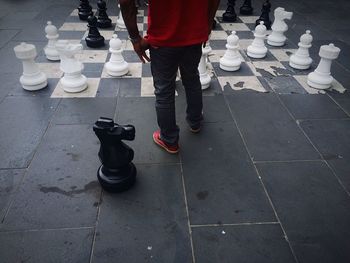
60 189
46 246
242 243
9 182
313 208
148 223
343 100
312 107
23 123
221 183
84 110
270 132
140 112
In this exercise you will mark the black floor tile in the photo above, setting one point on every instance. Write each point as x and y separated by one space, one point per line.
244 243
148 223
285 85
84 110
9 182
60 188
129 87
221 183
313 208
331 137
108 88
140 112
23 123
341 168
270 133
47 246
312 106
6 35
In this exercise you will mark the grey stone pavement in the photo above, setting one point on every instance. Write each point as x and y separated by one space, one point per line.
267 180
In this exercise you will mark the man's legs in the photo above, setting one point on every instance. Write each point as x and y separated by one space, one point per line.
164 65
190 79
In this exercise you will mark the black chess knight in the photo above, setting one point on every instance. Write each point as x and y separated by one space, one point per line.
246 8
117 172
103 21
265 17
94 38
84 10
230 14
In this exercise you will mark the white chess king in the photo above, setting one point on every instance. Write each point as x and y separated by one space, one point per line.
321 78
72 80
32 78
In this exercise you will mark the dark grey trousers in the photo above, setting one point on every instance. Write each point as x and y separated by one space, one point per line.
165 62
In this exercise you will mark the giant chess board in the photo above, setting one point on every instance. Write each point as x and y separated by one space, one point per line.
270 74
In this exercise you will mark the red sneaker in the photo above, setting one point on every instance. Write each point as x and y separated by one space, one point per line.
169 148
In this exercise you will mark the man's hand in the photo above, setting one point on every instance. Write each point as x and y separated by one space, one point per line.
140 47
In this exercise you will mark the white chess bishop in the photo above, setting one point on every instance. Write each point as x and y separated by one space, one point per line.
120 20
301 58
72 80
116 66
32 78
279 27
204 76
321 78
231 61
258 49
52 36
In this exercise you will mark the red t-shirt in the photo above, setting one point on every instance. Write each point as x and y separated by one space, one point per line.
175 23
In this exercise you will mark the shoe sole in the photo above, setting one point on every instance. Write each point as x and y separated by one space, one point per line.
195 130
164 147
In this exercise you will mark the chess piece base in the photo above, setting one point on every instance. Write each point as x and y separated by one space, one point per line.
229 17
52 54
117 180
33 83
117 70
95 42
205 81
121 24
244 10
73 85
84 16
104 24
256 53
229 65
319 81
297 63
274 41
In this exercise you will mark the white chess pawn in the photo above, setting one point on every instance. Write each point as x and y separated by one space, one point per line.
258 49
279 27
72 80
116 66
120 21
301 59
52 36
32 78
204 76
321 78
231 61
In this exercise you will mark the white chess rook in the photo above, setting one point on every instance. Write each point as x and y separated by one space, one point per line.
116 66
279 27
52 36
72 81
204 76
258 49
231 61
32 78
301 59
120 20
321 78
